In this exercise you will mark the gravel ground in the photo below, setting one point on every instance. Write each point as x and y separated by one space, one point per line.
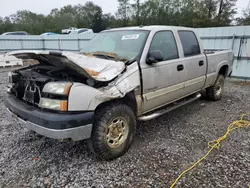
163 148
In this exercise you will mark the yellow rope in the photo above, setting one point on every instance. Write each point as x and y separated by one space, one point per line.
215 144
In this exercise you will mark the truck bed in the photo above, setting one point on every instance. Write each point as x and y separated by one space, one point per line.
217 58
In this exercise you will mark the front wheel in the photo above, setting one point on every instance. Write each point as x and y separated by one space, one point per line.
113 131
216 91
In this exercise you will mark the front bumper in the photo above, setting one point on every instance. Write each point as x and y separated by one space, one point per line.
50 124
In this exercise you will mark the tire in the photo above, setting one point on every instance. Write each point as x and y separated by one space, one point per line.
216 91
113 131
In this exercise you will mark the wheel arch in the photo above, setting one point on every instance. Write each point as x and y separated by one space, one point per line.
223 70
130 99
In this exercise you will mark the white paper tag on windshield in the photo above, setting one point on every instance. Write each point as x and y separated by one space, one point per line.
131 37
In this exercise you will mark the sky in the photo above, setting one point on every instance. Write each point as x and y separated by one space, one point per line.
9 7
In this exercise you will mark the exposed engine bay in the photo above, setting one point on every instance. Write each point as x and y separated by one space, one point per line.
27 83
54 79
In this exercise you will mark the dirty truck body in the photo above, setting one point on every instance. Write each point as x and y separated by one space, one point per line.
124 75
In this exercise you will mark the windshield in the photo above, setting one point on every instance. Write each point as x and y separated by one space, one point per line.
124 44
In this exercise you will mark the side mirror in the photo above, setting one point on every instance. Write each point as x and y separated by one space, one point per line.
155 56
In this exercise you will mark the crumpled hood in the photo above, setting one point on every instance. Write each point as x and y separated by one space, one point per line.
96 68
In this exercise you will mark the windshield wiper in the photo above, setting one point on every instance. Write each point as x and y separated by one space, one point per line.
106 55
130 62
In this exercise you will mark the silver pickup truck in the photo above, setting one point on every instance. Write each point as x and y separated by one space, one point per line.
123 75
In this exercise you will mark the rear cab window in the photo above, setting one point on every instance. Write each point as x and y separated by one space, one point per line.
189 43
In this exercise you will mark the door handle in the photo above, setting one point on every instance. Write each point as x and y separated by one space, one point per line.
201 63
180 67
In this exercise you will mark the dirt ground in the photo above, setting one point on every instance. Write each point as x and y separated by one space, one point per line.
163 148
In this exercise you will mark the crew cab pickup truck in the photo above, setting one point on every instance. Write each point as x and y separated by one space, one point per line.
122 76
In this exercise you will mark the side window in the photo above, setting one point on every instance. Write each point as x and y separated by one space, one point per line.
165 42
82 31
189 43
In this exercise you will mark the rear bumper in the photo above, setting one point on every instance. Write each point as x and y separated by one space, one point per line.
50 124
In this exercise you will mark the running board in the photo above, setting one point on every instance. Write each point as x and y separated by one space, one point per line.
169 108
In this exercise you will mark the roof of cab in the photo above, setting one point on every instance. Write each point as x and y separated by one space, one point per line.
150 28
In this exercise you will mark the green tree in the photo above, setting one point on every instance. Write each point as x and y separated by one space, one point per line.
108 21
192 13
1 25
7 26
226 12
28 21
123 12
94 16
137 7
165 12
245 18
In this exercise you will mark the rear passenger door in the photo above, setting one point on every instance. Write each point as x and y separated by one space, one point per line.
194 62
162 81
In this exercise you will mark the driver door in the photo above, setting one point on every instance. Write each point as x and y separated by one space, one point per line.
162 81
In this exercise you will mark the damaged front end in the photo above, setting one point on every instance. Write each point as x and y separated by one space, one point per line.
46 86
58 96
70 82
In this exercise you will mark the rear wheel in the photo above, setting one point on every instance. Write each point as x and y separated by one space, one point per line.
113 131
216 91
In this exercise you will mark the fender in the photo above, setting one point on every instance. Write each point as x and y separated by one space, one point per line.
85 98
